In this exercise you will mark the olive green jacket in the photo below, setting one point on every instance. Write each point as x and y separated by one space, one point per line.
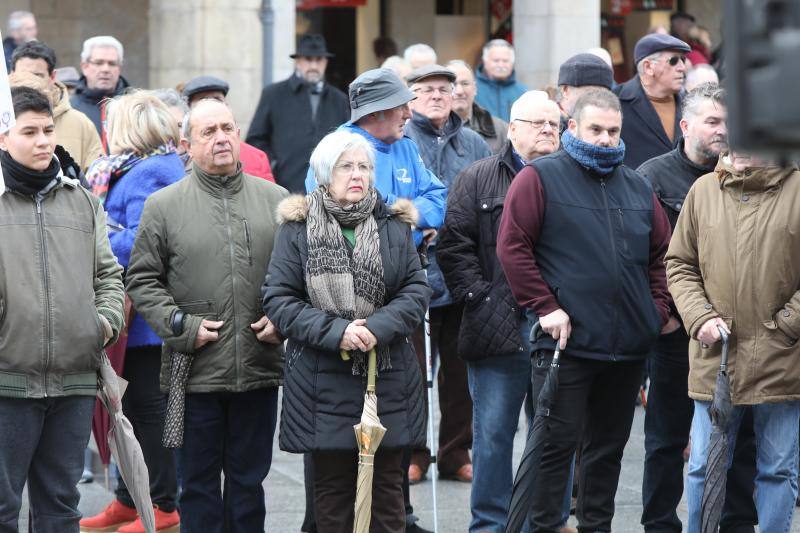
733 255
57 276
202 247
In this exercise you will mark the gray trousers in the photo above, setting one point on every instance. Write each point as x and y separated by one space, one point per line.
42 442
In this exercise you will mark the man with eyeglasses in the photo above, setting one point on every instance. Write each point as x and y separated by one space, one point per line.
101 65
494 329
493 130
651 101
447 148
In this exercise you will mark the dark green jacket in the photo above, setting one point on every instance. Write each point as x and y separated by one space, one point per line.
57 275
203 246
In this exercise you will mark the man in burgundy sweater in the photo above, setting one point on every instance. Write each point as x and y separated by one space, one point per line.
582 243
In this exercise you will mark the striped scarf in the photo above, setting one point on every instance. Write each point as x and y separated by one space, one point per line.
107 169
349 286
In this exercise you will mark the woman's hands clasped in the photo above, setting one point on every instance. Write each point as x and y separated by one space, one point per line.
358 337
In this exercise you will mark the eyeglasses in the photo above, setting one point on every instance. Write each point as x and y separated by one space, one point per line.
674 60
102 62
348 168
428 90
539 124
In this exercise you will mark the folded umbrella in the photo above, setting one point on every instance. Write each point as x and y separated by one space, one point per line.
717 462
176 401
124 446
528 471
369 434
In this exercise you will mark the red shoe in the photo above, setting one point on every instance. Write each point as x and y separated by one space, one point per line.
165 523
110 519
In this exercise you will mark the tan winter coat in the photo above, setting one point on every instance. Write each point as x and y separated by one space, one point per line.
734 254
74 130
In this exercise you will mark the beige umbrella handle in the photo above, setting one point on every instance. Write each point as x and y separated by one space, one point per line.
371 370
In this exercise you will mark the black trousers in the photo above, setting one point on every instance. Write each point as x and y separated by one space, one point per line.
598 397
667 423
144 404
335 475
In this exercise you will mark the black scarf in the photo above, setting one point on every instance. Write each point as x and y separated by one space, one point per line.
24 180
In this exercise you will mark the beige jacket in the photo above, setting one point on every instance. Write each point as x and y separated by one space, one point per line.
74 130
734 254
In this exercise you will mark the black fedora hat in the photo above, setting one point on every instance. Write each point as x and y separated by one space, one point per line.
311 45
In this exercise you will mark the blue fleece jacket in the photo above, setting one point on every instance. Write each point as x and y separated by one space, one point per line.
496 96
400 173
124 205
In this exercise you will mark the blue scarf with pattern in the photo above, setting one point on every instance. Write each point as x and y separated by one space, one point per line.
601 159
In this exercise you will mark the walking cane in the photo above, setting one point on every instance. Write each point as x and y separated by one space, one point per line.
429 371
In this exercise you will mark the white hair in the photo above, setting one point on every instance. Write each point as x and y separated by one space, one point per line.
419 48
650 58
603 54
15 20
523 102
331 148
496 43
392 62
460 63
699 74
101 41
172 98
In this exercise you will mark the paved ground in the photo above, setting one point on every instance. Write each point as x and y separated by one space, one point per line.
285 496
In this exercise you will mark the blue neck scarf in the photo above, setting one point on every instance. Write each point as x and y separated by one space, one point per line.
600 159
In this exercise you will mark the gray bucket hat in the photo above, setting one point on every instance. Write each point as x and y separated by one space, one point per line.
377 90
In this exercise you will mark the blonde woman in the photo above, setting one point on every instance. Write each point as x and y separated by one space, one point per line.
142 135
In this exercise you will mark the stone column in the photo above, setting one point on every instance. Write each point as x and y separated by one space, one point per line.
216 37
547 32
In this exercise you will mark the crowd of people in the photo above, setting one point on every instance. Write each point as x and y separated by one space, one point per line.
432 207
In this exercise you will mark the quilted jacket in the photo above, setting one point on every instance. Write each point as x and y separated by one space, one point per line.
322 399
490 323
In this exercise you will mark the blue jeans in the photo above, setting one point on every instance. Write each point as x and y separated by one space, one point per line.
777 431
42 442
228 433
498 386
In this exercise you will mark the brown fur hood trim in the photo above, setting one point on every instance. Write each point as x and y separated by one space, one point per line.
295 209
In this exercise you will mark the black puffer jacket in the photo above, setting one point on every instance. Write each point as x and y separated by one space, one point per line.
490 324
322 399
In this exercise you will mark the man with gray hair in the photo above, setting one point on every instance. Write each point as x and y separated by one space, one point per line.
498 87
419 55
101 65
669 409
651 102
21 29
700 74
492 129
493 336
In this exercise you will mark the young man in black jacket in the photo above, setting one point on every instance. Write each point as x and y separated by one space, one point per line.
669 410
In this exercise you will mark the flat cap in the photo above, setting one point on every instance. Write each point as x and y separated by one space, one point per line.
377 90
656 42
430 71
202 84
585 69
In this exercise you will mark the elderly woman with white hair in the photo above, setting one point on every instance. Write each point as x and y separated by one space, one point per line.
345 277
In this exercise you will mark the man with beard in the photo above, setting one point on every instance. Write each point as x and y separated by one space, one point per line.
651 102
582 241
669 410
101 65
293 115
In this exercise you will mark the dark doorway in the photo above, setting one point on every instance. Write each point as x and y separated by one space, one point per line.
338 26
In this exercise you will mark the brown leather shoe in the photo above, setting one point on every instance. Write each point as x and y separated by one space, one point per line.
415 474
463 474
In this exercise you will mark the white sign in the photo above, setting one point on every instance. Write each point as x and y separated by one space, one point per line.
6 107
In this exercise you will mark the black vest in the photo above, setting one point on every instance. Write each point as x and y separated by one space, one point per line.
594 253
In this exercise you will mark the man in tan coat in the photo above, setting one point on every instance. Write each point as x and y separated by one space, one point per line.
731 264
74 130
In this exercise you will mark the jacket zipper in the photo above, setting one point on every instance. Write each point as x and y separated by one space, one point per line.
46 284
616 271
248 242
233 279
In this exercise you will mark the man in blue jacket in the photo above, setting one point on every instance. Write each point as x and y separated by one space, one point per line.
379 111
498 87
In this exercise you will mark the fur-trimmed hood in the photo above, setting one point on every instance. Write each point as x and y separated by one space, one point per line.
295 209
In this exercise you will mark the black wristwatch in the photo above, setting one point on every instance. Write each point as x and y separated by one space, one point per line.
177 323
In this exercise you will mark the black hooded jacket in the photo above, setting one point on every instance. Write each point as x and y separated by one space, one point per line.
88 101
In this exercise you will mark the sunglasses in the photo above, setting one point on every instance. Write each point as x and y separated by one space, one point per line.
674 60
